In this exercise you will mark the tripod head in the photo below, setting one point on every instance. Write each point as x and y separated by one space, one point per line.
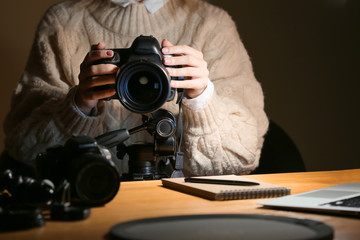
149 160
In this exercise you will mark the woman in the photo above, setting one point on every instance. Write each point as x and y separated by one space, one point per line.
223 109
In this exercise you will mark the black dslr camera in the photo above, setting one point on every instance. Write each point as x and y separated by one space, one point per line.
142 83
66 180
81 173
93 177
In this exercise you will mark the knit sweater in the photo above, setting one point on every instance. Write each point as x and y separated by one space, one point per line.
225 136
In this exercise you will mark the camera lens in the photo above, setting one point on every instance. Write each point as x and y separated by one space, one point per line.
97 182
143 86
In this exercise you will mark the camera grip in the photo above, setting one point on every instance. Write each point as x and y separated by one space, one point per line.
105 87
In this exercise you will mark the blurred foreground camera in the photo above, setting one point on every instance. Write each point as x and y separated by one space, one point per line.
66 180
142 83
81 173
93 176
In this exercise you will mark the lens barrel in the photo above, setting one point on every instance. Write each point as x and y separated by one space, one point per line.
94 180
143 86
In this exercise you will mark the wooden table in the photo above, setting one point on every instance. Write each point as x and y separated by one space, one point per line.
136 200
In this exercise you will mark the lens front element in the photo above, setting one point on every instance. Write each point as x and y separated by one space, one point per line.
143 86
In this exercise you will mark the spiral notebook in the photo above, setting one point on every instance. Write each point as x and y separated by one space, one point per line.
226 192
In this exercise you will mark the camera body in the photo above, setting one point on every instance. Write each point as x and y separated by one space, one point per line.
142 82
93 176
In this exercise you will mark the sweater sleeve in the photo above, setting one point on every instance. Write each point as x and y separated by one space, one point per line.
42 111
226 135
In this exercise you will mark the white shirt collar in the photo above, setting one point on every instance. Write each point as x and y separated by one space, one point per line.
151 5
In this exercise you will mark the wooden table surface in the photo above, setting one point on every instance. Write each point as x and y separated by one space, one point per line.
137 200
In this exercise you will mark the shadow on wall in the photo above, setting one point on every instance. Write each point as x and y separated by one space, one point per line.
306 53
279 153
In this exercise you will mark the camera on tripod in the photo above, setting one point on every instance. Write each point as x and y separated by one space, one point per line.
143 86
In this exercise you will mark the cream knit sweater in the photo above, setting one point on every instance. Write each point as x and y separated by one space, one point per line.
223 137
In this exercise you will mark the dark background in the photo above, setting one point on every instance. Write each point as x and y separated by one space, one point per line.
305 53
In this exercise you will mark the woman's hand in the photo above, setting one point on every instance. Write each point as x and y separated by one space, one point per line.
194 68
91 76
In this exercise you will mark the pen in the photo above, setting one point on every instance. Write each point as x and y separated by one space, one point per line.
220 181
